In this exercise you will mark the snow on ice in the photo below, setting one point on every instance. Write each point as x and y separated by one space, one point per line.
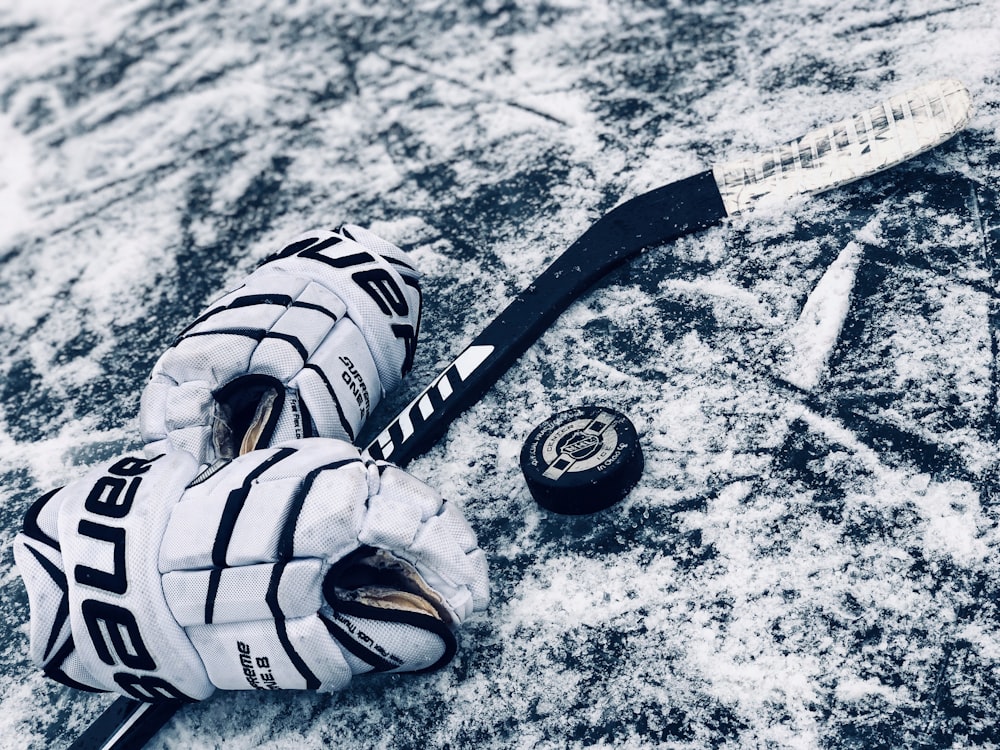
810 559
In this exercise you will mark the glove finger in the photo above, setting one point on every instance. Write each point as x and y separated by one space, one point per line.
442 555
247 592
412 520
401 504
176 417
339 386
288 343
218 345
255 303
270 505
381 301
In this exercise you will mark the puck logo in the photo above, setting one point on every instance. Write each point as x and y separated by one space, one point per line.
580 445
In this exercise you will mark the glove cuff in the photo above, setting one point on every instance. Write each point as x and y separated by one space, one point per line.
39 560
384 616
110 527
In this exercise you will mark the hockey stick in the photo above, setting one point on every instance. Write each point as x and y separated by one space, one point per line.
859 146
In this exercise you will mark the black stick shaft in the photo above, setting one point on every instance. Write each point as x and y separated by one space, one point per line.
650 219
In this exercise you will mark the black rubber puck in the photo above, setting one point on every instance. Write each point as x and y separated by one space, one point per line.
582 460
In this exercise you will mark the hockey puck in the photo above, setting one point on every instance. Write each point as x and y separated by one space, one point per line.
582 460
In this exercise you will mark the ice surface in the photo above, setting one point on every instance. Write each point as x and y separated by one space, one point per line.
799 567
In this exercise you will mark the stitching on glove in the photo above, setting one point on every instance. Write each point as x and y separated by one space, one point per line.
62 613
234 504
248 301
333 400
54 671
312 681
286 541
30 526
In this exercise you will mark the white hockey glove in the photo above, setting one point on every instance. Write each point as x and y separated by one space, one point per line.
295 566
306 346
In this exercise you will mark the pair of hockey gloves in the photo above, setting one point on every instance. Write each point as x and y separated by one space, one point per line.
254 546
